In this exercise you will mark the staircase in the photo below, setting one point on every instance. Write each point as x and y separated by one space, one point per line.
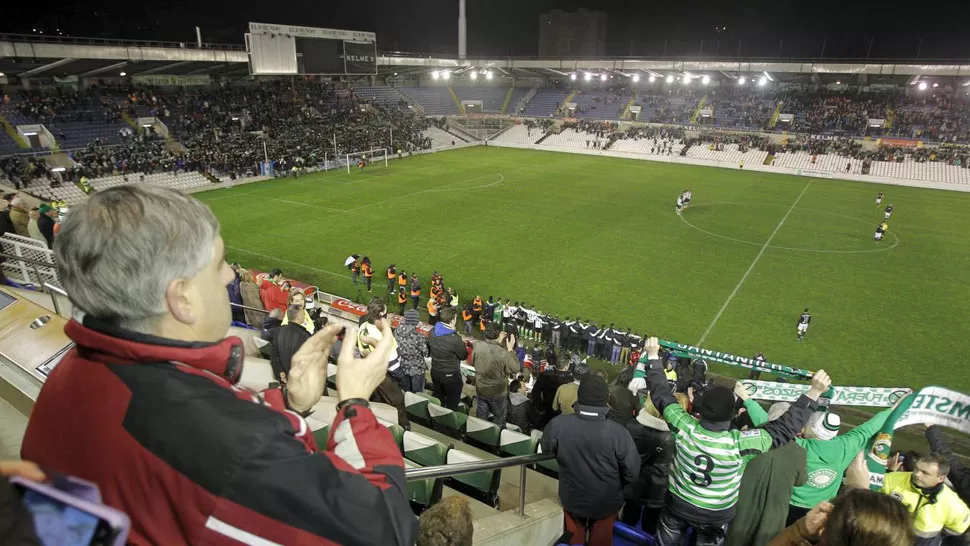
127 119
454 97
890 116
697 111
569 98
525 100
769 159
12 131
418 109
626 109
774 117
211 178
505 105
547 135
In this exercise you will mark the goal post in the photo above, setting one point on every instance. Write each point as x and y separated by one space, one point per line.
377 156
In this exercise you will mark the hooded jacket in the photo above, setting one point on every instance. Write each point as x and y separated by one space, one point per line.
161 426
447 350
412 348
597 460
655 445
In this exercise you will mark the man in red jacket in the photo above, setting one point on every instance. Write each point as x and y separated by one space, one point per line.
274 291
148 406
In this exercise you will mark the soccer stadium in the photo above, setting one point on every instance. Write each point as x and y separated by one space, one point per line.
308 288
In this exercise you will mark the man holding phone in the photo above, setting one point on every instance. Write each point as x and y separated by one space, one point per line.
147 406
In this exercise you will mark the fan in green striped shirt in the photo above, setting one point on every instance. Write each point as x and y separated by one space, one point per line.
710 457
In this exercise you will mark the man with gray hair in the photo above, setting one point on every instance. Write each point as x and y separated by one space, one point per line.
148 407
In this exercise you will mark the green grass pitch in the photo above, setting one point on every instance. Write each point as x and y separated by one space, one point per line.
598 237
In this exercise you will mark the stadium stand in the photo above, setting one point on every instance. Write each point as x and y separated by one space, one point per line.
520 134
437 101
492 97
545 103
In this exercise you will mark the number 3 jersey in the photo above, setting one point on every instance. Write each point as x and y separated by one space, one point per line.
708 465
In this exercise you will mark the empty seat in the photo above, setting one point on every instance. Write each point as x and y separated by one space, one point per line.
423 450
515 443
479 485
484 433
447 421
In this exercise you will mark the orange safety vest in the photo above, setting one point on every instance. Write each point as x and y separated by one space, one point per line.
402 297
466 315
415 291
432 308
477 304
368 270
402 280
391 273
481 324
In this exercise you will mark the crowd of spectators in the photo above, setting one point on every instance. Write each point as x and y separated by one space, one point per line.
64 105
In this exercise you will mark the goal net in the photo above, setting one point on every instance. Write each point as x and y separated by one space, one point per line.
376 157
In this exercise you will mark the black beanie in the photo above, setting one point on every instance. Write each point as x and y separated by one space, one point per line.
593 391
717 405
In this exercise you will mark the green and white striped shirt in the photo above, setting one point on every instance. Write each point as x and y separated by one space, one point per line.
708 465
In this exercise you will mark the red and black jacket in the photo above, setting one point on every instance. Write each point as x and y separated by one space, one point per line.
170 439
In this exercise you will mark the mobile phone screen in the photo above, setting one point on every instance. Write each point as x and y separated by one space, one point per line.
57 523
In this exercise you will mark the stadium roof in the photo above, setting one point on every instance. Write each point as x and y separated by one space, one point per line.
53 56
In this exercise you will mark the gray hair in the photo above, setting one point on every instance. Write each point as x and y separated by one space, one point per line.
117 252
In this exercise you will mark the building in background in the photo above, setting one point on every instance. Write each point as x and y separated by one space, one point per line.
572 34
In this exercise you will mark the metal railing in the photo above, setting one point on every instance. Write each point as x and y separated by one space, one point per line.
48 288
457 469
76 40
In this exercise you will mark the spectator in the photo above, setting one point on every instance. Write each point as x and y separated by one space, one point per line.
519 406
149 402
567 394
494 361
287 341
447 351
32 227
274 291
936 510
413 348
45 223
447 523
544 392
250 296
6 224
19 216
298 298
235 295
859 517
597 460
623 405
705 479
368 337
645 497
958 475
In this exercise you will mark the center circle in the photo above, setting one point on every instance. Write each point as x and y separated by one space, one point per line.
683 216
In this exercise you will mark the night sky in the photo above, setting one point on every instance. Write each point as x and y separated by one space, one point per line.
511 27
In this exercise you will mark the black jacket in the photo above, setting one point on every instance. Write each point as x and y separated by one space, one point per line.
287 340
655 445
597 460
447 351
544 392
46 226
519 407
623 405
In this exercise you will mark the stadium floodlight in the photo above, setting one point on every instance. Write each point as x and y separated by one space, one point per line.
742 80
446 75
685 80
706 80
572 76
2 74
922 86
588 76
603 77
670 79
474 75
762 81
435 74
123 74
636 78
488 75
935 85
652 78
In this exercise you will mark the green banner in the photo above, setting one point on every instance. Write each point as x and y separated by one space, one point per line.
930 405
690 351
873 397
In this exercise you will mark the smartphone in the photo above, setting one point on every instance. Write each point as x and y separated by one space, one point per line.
63 519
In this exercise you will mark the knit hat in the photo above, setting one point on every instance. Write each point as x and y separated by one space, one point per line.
45 208
825 426
411 317
777 410
593 391
716 405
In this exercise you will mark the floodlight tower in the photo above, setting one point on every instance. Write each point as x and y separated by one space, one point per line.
462 32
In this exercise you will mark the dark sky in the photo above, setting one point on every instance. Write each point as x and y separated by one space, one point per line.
510 27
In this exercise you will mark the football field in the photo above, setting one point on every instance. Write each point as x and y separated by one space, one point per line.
598 238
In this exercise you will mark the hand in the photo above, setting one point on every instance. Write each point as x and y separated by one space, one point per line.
690 394
358 377
510 343
652 347
22 469
857 474
741 391
308 368
816 518
895 464
821 382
